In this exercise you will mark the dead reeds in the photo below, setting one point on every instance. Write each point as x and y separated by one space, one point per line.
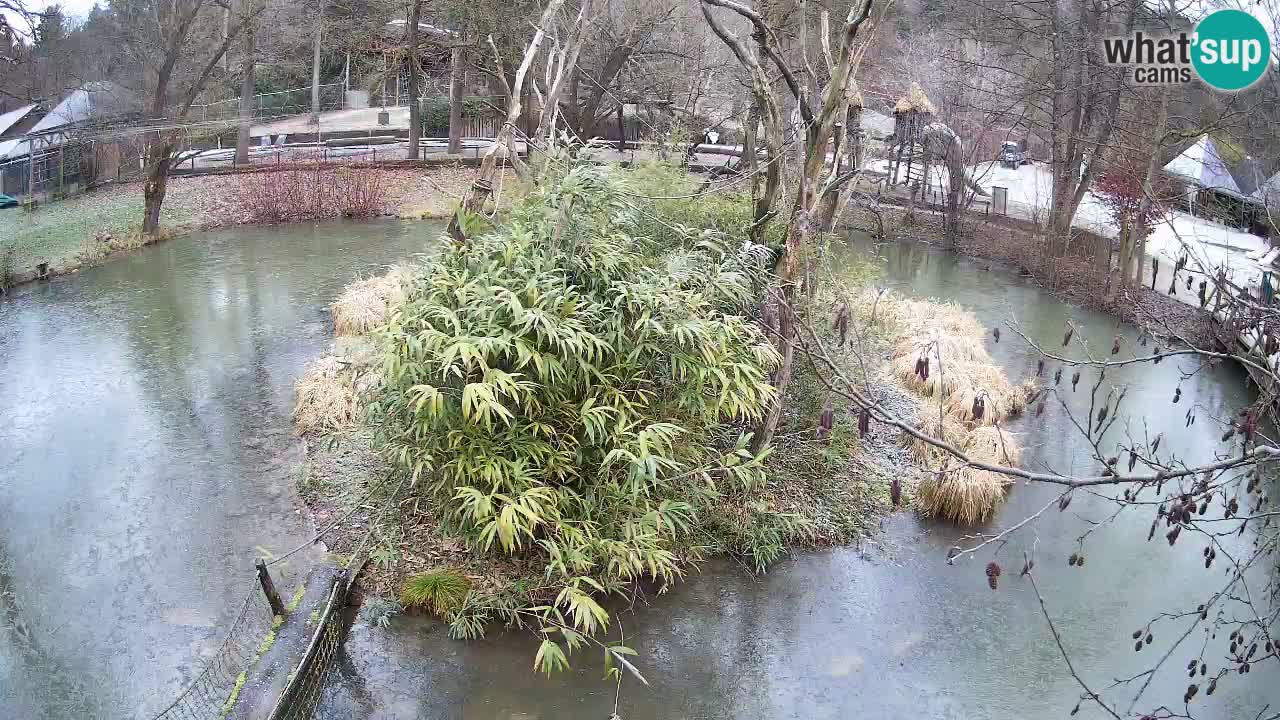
326 397
940 355
365 304
327 394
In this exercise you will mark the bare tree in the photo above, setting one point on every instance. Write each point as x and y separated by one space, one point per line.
318 30
561 63
818 115
176 46
415 71
504 143
248 70
457 78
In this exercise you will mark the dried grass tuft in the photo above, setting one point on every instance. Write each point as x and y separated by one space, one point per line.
948 430
366 304
992 445
965 371
966 494
962 495
960 368
326 398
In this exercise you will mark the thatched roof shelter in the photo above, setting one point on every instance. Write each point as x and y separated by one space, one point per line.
914 101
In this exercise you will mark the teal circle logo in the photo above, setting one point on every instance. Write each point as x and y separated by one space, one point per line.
1230 50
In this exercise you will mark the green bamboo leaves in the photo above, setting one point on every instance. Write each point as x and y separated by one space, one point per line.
560 390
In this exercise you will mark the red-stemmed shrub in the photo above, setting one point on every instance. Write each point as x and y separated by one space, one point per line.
312 193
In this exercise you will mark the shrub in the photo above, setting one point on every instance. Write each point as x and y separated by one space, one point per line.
561 395
311 194
357 192
725 209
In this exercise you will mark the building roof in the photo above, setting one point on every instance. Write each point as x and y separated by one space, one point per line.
1248 175
915 100
1269 191
7 148
1202 164
97 100
13 117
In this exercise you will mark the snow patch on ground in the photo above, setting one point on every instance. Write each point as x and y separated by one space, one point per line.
1207 244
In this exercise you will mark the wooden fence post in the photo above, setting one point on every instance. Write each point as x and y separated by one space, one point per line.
622 130
269 588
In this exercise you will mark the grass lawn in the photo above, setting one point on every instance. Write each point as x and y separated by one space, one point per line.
63 233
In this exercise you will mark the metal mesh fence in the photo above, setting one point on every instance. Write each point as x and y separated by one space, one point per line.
214 690
282 103
53 172
306 684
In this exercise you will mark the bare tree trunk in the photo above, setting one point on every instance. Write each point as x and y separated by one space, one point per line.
853 131
799 235
955 194
226 30
575 112
159 158
1118 277
476 197
315 66
825 217
622 129
248 98
1148 188
455 100
415 107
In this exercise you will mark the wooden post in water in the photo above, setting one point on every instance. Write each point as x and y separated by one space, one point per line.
269 588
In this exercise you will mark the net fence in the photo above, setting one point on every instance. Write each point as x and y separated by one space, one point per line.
305 688
213 692
267 106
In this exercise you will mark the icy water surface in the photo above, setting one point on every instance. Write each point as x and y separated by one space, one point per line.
146 453
147 457
889 630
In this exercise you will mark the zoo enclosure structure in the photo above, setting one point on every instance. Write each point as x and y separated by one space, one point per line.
49 174
266 106
911 115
